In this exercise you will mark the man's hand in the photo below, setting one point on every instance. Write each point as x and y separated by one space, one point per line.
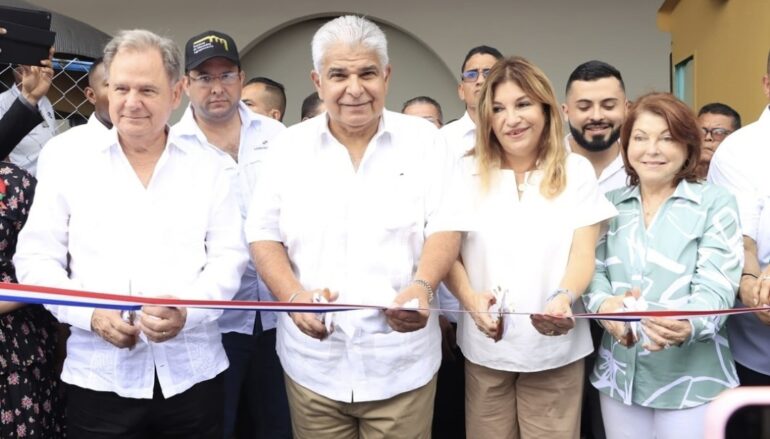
307 322
161 323
556 318
110 326
407 321
36 80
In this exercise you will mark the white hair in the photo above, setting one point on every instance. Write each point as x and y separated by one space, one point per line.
353 31
140 39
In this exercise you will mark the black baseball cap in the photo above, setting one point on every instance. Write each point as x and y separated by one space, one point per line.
207 45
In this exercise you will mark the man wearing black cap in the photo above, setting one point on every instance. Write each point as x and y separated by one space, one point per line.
217 120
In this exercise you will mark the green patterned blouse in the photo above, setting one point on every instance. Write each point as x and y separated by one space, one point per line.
690 258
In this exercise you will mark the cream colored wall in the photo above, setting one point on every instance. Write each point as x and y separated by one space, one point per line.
555 34
729 41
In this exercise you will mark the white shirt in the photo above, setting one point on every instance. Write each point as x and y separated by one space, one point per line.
359 233
740 165
612 177
180 236
460 137
256 133
75 137
25 153
523 246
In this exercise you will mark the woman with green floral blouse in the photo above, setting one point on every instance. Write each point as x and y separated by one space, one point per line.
675 245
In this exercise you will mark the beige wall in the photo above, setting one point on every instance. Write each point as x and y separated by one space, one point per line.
728 41
555 34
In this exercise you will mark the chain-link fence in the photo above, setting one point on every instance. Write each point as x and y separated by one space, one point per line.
67 92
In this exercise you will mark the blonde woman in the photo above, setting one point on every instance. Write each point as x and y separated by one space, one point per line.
532 212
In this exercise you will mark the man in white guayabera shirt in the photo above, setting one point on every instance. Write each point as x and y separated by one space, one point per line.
350 202
139 211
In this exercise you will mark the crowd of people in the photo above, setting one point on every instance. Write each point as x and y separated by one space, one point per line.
523 204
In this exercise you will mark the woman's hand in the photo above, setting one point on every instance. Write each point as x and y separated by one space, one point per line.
556 318
664 333
485 321
617 330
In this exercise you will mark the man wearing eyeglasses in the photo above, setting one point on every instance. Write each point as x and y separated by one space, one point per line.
217 119
717 121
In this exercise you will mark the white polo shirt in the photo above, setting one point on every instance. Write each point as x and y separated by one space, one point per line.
523 245
256 133
360 233
93 226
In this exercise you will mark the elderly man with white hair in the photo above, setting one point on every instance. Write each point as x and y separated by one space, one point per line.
138 211
349 208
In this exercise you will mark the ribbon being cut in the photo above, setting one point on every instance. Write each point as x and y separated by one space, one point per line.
57 296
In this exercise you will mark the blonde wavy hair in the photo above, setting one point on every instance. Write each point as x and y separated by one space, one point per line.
552 154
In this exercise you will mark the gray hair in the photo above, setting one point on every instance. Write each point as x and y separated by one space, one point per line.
140 39
353 31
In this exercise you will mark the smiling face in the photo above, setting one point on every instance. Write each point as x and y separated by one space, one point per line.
517 122
352 85
595 112
653 153
141 94
216 101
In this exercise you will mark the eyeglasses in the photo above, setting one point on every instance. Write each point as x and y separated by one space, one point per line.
718 134
227 78
473 75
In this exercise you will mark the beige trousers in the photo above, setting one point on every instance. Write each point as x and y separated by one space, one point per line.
408 415
527 405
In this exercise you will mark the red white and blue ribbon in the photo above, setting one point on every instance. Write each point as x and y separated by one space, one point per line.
57 296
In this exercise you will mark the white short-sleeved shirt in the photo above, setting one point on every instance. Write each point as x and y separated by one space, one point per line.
360 233
523 245
256 133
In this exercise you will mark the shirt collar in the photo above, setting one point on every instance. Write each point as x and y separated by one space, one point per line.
384 131
684 190
765 116
110 139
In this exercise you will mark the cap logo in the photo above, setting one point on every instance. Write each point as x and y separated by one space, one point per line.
208 42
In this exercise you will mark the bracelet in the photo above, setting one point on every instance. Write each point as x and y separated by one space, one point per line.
294 296
569 294
425 286
750 274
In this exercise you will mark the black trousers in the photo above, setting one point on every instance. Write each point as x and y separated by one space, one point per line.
193 414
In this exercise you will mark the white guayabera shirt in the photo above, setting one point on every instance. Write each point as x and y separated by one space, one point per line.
179 236
360 233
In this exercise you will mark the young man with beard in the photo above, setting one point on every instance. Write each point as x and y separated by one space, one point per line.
595 110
